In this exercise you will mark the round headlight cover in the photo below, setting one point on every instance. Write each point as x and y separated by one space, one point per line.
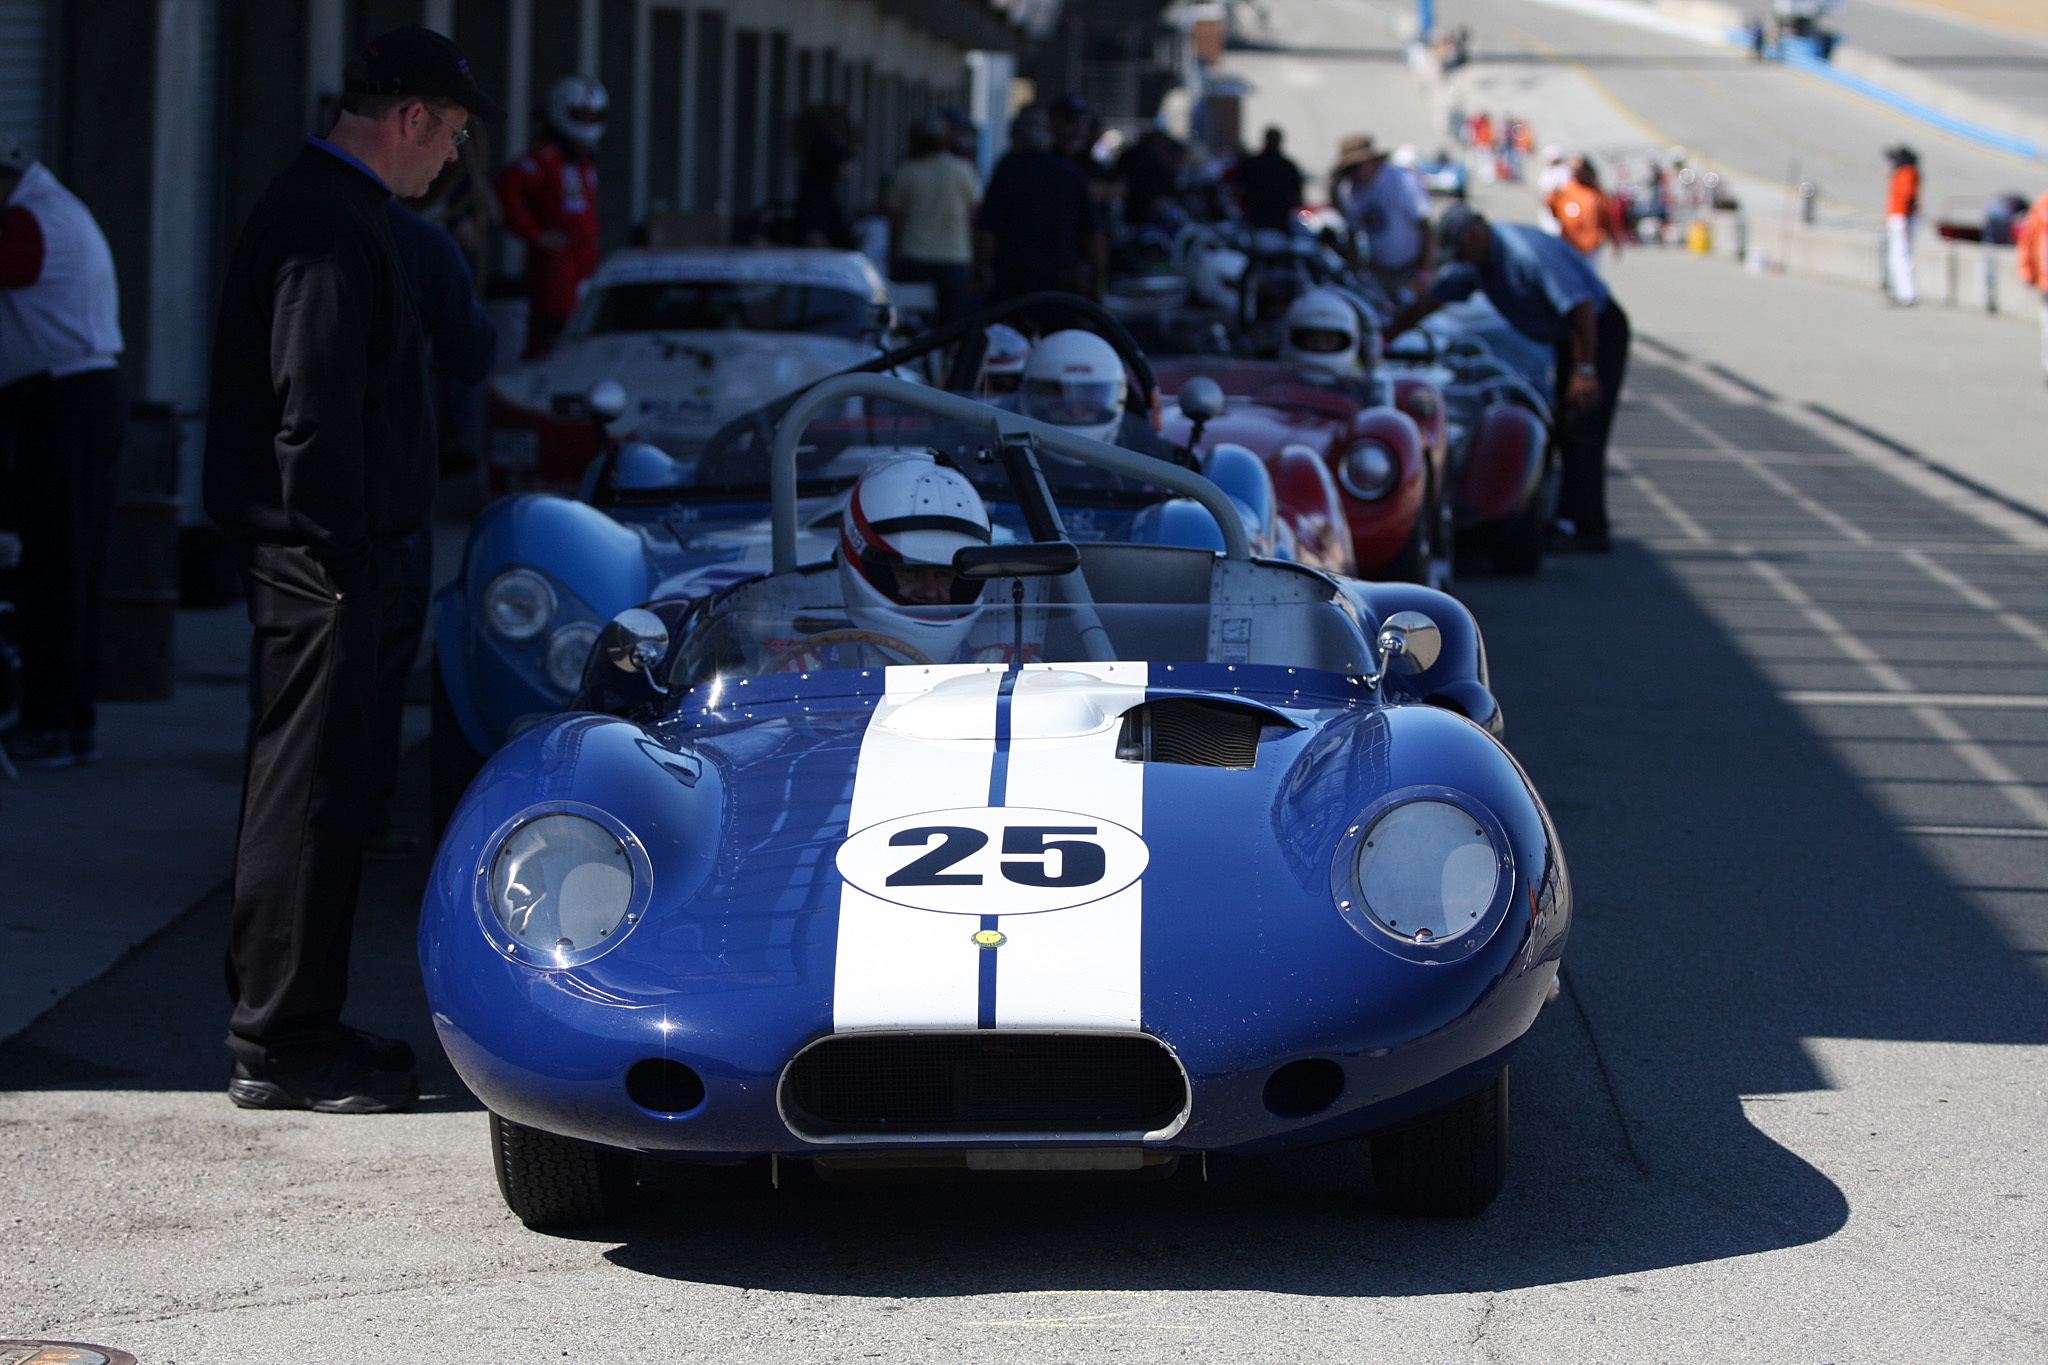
1426 873
518 604
1368 470
561 884
568 650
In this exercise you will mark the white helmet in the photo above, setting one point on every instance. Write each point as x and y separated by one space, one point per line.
1075 379
1322 336
911 511
577 106
1003 368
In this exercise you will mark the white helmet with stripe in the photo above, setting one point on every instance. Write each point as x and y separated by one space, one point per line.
912 513
1075 379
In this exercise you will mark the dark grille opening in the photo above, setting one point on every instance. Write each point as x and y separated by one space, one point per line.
1202 734
664 1086
990 1082
1305 1087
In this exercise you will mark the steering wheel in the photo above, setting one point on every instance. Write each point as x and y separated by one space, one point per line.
861 637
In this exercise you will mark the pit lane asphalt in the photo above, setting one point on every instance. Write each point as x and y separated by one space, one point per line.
1790 1107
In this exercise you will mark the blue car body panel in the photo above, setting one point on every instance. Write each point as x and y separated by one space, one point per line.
742 795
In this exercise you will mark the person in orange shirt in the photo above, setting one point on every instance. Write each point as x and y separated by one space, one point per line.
1583 211
550 203
1901 217
2030 239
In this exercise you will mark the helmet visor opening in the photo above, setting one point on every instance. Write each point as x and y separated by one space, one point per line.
1321 340
1072 402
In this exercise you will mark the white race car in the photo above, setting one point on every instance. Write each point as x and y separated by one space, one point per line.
696 336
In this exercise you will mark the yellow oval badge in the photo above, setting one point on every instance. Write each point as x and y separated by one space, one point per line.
990 938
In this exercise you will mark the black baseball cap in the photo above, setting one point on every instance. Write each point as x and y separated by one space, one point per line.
416 61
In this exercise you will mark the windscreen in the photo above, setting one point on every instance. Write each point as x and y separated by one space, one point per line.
727 305
744 637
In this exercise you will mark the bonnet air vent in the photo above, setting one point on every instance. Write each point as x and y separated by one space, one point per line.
1202 734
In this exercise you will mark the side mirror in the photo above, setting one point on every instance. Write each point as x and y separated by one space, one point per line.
1029 559
1201 399
1409 642
635 640
606 400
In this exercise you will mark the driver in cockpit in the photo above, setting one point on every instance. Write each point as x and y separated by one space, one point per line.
903 603
1329 344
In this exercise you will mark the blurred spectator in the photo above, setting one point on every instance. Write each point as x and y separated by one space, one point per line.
1901 217
1269 186
63 414
1075 133
462 345
1039 227
825 141
1150 173
931 201
2030 238
1387 206
549 199
1547 292
1585 215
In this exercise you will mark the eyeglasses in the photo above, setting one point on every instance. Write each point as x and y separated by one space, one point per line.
456 136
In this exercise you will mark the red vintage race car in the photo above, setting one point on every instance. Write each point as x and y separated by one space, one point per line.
1380 447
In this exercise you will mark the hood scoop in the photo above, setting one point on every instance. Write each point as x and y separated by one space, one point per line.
1192 731
1044 704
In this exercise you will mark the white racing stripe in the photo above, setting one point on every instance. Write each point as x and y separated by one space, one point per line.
931 749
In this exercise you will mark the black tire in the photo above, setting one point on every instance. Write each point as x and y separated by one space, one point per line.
1518 546
1450 1162
452 763
1426 543
551 1182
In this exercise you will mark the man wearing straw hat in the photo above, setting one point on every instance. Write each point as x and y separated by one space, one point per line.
1389 207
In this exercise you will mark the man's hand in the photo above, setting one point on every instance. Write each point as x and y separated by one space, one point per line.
1583 391
552 239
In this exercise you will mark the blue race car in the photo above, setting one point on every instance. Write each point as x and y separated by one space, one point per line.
1168 851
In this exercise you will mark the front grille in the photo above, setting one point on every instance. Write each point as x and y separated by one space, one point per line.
888 1085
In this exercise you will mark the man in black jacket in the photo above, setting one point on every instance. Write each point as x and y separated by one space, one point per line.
320 457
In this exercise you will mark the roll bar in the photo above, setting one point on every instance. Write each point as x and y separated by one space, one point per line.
968 412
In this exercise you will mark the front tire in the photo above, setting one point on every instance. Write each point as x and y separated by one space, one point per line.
551 1182
1450 1162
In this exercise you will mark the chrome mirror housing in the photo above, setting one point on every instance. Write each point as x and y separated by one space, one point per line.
606 400
1201 399
1409 642
635 640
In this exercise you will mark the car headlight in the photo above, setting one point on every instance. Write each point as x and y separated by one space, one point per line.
568 650
1427 871
561 884
1368 470
518 604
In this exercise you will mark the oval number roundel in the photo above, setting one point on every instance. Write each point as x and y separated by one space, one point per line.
993 860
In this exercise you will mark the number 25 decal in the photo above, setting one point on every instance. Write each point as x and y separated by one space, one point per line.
1080 862
993 860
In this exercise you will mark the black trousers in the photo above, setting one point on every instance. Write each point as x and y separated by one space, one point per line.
65 438
305 801
952 283
398 645
1582 431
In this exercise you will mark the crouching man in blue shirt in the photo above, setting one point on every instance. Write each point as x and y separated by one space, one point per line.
1547 292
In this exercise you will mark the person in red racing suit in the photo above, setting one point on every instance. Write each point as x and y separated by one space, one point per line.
550 203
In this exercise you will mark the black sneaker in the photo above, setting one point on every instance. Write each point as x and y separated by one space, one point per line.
37 748
331 1085
375 1051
